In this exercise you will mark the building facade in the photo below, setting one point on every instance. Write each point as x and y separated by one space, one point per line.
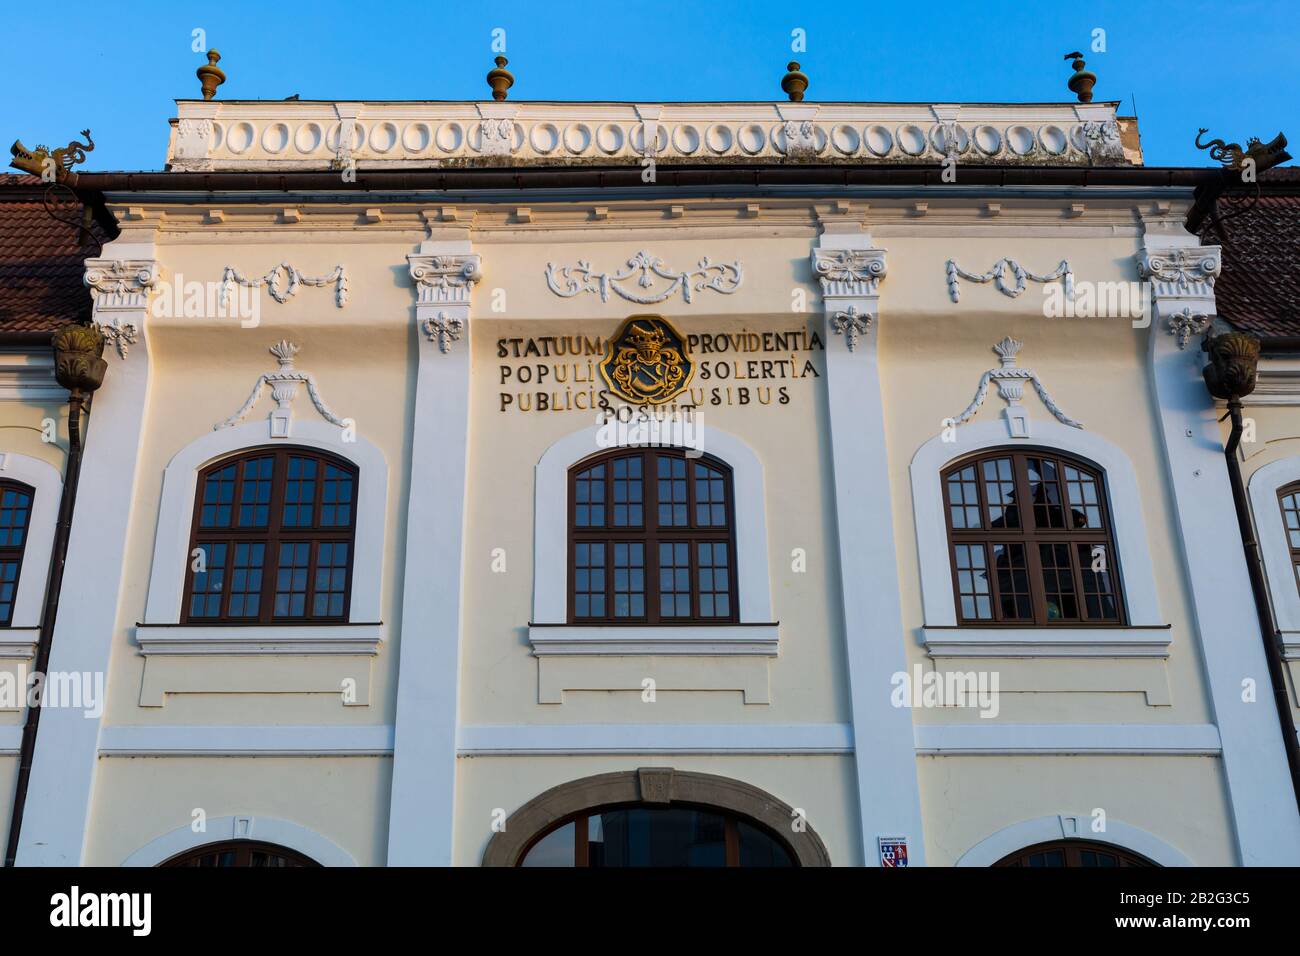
607 484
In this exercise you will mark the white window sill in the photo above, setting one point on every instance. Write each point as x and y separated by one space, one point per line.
19 642
1046 641
226 639
702 640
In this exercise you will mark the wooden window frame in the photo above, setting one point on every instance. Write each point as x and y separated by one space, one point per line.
243 850
650 534
1073 851
16 554
1293 552
731 831
1031 537
272 536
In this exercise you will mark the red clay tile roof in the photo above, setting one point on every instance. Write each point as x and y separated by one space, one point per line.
1259 289
40 259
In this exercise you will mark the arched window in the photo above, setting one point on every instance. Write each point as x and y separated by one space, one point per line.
1073 853
236 853
657 836
272 539
651 539
1030 540
1289 498
15 514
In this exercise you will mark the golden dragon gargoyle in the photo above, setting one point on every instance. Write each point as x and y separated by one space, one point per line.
51 166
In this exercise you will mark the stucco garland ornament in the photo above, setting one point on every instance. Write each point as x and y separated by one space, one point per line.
1187 323
284 290
1011 380
851 323
998 276
284 389
119 334
570 281
444 329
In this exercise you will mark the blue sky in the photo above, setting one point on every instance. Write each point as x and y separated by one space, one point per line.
117 67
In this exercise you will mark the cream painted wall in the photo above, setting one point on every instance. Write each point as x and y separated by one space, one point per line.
932 353
345 800
1178 800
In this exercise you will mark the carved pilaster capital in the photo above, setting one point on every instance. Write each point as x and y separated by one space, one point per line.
1181 271
445 279
849 273
118 284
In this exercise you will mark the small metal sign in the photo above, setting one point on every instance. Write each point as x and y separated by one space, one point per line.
893 851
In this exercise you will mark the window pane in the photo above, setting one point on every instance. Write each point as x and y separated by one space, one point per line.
218 496
255 493
672 491
629 579
554 849
1081 493
973 582
330 585
1013 582
291 579
209 579
1045 493
674 579
963 499
1000 493
672 837
712 562
1291 518
8 586
246 579
628 493
710 497
15 509
300 493
336 498
1058 582
1099 597
589 579
589 498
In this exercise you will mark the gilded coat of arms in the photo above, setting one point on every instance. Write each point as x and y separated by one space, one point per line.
646 362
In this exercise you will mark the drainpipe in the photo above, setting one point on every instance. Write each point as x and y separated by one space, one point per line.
79 367
1234 358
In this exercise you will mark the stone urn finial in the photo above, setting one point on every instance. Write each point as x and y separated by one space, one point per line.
500 79
794 83
1082 82
79 365
210 75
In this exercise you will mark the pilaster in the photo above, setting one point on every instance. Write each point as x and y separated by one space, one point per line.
1182 275
851 271
422 815
63 772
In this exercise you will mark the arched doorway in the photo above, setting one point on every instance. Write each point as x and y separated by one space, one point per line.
1081 854
656 817
241 853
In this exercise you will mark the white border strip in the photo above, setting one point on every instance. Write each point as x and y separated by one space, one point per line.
234 741
487 740
993 740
